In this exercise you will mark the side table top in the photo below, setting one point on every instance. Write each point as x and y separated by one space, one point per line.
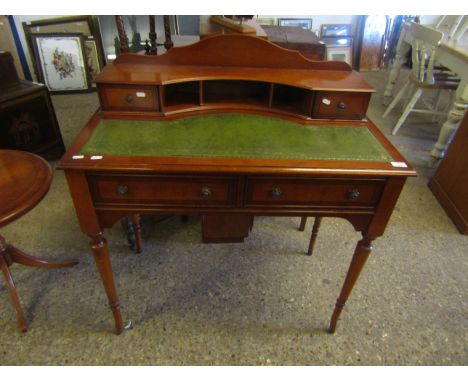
25 179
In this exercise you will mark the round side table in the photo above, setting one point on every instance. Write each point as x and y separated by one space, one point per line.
25 179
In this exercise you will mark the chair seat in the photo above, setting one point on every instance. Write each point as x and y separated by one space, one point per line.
442 80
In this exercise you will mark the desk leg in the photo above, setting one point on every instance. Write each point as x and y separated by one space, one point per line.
135 218
101 256
453 121
361 253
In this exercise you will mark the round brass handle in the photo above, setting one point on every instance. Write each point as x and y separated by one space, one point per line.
276 192
129 98
353 194
205 192
122 190
341 105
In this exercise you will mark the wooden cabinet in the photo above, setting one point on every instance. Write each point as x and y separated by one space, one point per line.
27 116
187 96
302 40
276 83
450 182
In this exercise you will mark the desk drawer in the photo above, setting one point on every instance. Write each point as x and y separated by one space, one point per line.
340 105
299 191
128 98
163 190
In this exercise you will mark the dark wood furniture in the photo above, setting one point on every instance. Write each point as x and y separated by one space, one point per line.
24 181
450 182
302 40
209 28
27 116
232 126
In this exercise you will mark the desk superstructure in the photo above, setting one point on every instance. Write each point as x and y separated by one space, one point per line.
232 126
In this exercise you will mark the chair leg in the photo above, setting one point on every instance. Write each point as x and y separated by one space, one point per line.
303 223
313 236
408 93
395 100
13 295
408 108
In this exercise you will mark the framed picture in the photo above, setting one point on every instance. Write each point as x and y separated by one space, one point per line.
335 30
61 62
86 25
93 59
299 23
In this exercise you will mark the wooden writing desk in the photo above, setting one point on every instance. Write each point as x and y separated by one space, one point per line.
201 131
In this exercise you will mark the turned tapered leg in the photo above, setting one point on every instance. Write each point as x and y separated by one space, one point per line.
361 253
101 256
14 296
303 223
313 236
135 219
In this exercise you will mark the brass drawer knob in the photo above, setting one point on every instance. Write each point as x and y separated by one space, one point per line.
353 194
122 190
205 192
129 98
341 105
276 192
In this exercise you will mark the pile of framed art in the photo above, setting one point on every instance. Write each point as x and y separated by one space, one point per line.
67 52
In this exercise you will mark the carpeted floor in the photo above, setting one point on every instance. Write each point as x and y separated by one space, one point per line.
262 302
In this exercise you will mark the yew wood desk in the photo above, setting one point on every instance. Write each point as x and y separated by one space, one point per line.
197 131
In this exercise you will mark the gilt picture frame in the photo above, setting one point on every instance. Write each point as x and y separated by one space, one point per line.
93 59
61 62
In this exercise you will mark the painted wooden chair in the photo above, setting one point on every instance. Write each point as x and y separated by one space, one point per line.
454 25
424 76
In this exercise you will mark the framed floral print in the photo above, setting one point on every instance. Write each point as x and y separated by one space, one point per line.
85 24
61 62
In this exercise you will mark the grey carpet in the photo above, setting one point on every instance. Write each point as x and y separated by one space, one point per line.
262 302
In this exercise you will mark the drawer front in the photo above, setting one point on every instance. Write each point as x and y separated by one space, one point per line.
128 98
296 191
163 190
339 105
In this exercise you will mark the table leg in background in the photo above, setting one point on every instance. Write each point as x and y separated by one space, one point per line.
453 121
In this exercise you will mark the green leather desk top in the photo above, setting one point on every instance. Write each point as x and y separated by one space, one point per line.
234 135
